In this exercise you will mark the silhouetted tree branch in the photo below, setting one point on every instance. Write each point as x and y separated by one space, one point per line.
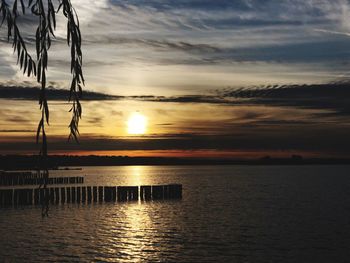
45 11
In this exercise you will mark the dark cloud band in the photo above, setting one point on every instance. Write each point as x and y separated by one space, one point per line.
333 97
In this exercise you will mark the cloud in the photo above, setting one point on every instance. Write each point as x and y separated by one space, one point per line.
16 131
332 98
59 94
261 41
162 45
96 120
332 32
18 119
117 113
165 124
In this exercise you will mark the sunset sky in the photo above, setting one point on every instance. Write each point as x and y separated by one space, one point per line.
228 79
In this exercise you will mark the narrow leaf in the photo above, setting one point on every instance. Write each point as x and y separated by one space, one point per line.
23 7
38 130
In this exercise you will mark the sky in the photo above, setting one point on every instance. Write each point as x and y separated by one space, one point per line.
225 79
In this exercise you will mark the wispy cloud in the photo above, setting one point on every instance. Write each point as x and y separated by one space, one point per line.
58 94
152 46
332 32
16 131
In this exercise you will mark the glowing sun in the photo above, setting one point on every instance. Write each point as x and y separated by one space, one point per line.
137 124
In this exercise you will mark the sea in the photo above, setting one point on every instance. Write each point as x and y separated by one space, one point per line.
227 214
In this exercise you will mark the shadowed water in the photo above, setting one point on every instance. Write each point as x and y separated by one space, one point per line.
228 213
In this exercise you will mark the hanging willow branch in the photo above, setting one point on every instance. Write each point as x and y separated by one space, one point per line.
45 11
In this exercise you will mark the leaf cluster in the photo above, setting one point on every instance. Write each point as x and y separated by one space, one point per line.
46 12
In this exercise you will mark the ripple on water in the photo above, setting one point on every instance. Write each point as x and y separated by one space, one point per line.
228 213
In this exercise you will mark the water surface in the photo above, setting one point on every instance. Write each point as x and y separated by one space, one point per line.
227 214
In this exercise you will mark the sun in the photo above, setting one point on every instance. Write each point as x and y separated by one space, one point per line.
137 124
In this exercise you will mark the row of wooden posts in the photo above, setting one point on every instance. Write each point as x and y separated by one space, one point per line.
10 179
38 181
57 195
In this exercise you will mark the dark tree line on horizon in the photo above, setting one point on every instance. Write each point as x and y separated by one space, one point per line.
23 162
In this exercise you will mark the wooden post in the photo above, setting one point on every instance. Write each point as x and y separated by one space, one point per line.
114 193
95 193
133 193
73 194
30 196
57 195
122 192
15 197
166 191
107 194
25 196
68 194
22 196
9 197
146 192
52 195
100 193
41 195
36 196
47 195
63 195
89 194
1 197
78 194
83 194
157 192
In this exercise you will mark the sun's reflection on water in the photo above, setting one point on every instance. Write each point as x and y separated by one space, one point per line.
132 226
136 175
133 234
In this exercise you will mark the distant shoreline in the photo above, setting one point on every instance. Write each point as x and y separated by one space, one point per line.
16 162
